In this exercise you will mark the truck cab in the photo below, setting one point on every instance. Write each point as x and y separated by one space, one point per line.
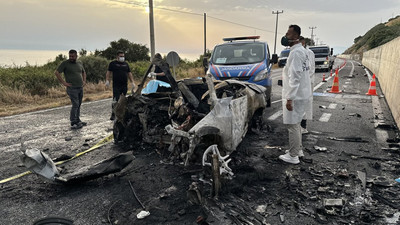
323 57
243 59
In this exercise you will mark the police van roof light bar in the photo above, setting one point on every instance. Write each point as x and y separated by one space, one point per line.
241 38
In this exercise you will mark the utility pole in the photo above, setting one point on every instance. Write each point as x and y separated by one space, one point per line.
276 27
312 33
152 42
205 34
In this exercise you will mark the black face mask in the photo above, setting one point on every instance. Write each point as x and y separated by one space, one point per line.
285 41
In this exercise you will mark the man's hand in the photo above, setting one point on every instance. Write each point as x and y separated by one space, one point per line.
67 84
84 83
289 105
151 74
107 84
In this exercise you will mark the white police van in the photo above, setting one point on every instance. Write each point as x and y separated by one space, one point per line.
243 59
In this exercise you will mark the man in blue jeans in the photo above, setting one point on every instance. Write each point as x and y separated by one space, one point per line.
75 79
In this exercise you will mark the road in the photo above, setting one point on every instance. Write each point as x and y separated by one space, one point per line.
292 193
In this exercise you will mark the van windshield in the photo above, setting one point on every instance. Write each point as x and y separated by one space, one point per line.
238 53
284 54
320 50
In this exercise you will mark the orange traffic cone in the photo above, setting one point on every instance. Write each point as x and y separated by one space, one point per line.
323 78
331 72
336 72
372 87
335 86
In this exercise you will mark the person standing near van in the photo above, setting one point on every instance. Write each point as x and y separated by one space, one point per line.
296 92
309 109
120 73
75 79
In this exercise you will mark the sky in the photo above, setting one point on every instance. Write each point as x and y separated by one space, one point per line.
93 24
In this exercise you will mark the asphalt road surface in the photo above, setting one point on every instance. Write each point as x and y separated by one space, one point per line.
345 141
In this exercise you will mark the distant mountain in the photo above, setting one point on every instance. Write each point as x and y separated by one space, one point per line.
376 36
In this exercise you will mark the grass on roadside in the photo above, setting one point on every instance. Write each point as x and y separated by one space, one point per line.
17 101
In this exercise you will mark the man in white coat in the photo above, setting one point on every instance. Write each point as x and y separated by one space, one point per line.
309 110
296 92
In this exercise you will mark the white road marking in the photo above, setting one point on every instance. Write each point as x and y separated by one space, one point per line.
325 117
332 106
275 115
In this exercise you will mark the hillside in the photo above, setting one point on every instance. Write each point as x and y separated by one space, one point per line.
376 36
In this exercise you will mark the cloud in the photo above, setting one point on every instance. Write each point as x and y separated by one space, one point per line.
93 24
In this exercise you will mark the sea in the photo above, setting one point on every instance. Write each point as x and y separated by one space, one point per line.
18 58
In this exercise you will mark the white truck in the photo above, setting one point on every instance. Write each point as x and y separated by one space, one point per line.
323 57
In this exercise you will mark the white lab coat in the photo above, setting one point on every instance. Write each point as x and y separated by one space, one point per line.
311 59
296 84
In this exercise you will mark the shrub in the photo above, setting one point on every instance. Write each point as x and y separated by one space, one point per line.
95 67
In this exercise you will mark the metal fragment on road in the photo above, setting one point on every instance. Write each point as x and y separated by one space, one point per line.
349 139
321 149
143 214
333 202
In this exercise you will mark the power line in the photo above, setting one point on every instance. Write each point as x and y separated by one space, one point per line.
135 3
227 21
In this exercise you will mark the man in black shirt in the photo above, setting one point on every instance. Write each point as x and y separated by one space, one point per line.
120 73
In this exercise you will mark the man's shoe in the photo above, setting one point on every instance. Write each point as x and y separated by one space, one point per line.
112 117
82 123
301 153
76 126
304 131
289 159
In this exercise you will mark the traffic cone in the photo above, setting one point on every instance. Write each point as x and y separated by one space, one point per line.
323 78
335 86
372 87
331 72
336 72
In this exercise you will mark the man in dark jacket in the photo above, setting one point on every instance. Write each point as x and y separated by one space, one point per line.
120 73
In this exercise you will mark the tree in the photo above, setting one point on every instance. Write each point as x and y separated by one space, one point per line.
133 52
83 52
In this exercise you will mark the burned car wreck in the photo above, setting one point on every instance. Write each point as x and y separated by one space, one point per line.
190 116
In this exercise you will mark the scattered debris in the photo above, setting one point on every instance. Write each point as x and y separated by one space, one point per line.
349 139
385 126
354 114
363 178
261 209
39 163
342 173
193 194
143 214
321 149
333 202
102 168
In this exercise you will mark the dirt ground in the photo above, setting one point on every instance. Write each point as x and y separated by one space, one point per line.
327 187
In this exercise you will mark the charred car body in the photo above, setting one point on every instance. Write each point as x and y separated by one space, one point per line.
190 116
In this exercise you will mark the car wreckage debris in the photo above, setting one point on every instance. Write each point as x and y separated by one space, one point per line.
41 164
190 116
